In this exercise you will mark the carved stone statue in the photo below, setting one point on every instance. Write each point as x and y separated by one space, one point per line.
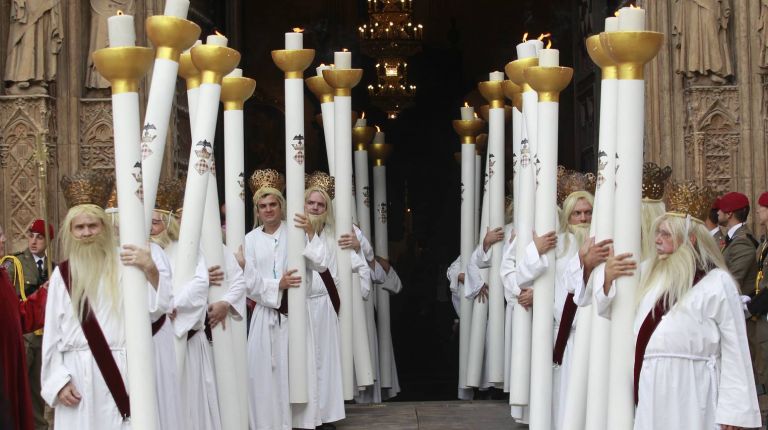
700 35
99 38
762 30
34 42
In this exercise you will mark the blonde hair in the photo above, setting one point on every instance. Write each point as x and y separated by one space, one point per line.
328 215
91 261
171 231
650 211
579 233
265 192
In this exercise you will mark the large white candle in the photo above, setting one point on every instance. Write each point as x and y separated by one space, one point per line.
121 30
342 59
468 114
216 39
379 137
611 24
467 243
525 50
361 122
294 40
177 8
537 44
631 19
549 58
496 76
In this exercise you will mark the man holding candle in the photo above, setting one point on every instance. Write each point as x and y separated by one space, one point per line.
689 326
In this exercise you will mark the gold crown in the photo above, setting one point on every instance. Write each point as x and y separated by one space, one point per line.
112 200
687 198
87 187
570 181
321 180
655 180
266 178
170 195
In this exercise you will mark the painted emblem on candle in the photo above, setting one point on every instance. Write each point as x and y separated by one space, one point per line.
241 184
537 164
148 135
212 170
602 161
204 152
462 192
137 176
491 165
514 162
525 154
382 212
366 196
299 148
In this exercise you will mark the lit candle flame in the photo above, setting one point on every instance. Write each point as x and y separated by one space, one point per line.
119 12
549 44
616 14
344 50
476 117
543 35
466 104
525 37
634 7
217 33
322 64
298 30
377 129
363 115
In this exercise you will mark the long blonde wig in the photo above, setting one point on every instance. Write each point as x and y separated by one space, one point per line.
578 232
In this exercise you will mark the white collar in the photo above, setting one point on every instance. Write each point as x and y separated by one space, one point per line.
732 230
715 230
38 258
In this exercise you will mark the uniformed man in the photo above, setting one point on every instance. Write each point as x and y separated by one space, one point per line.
739 255
35 272
759 304
714 227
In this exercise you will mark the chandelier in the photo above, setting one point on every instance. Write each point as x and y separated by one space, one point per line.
391 37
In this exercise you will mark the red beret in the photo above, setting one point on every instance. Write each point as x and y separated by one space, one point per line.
38 226
732 202
763 200
716 204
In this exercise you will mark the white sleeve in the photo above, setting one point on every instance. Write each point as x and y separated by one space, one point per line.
160 299
602 300
453 275
393 284
365 281
365 244
378 275
508 270
736 396
316 254
531 267
54 374
473 281
235 295
191 303
480 258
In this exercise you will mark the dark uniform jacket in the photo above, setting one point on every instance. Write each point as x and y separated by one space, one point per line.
32 283
759 304
739 255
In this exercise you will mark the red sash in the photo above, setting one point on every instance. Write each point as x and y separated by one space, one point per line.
566 322
157 325
330 286
649 325
102 354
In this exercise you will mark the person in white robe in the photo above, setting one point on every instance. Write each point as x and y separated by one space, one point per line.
386 278
71 381
325 322
696 370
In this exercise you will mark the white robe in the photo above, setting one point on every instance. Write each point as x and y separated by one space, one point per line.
198 381
325 325
697 372
393 285
168 389
472 279
67 357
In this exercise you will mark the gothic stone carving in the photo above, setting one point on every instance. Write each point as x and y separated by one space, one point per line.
97 150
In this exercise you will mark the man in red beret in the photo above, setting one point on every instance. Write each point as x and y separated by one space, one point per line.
36 270
713 226
739 255
759 304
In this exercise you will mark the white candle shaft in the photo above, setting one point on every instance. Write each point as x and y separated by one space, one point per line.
611 24
597 386
381 243
517 119
631 19
328 109
479 322
549 58
192 97
525 50
362 192
225 369
121 31
343 178
496 76
478 194
629 150
217 40
177 8
467 113
363 356
467 241
361 122
294 40
379 137
342 60
362 351
294 190
544 286
155 131
496 202
234 191
138 338
381 248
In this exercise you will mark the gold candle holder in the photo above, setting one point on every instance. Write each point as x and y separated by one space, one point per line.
493 92
468 129
631 50
188 71
362 136
293 62
342 80
171 35
379 153
514 93
320 88
599 56
235 91
123 66
515 69
214 62
548 82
